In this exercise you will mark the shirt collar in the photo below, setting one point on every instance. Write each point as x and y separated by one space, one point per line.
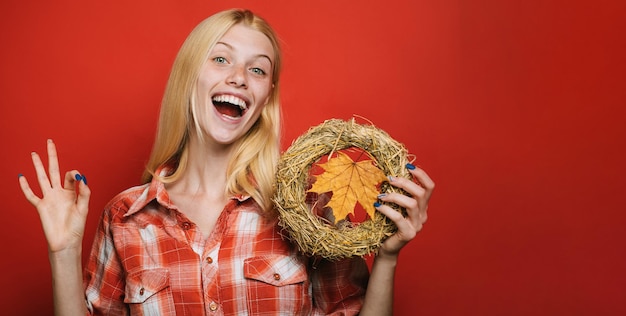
156 191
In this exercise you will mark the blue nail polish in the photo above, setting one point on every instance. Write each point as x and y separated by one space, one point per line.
390 178
20 175
78 177
376 204
382 195
85 180
410 166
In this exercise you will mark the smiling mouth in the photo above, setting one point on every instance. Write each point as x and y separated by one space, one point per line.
229 105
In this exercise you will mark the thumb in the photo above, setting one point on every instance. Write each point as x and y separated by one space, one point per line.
83 194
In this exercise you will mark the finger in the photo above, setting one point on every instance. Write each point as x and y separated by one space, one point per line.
70 180
402 200
406 229
28 193
422 178
422 188
53 165
83 194
423 217
42 177
409 186
74 179
391 213
416 211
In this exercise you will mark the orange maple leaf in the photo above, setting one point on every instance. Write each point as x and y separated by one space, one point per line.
350 182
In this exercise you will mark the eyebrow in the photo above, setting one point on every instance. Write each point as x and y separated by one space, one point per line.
258 56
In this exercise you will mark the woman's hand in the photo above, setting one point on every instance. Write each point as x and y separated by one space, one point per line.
62 209
416 206
379 294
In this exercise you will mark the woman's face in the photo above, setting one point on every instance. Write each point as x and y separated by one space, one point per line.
234 85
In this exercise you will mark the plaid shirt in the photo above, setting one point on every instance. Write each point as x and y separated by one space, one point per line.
149 259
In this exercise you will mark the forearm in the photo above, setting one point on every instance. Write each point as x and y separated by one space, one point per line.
67 283
379 295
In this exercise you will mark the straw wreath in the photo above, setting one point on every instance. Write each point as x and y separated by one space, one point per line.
313 235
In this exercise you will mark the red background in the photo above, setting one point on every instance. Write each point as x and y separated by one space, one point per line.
515 108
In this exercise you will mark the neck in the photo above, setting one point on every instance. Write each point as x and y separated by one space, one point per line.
206 169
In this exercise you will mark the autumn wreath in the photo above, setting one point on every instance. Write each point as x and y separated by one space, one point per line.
338 237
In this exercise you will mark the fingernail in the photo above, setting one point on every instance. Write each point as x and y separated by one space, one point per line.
410 166
390 178
376 204
382 195
78 177
20 175
85 180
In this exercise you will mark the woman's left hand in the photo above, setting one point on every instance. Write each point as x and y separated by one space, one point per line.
416 206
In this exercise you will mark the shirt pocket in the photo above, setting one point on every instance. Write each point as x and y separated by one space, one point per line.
276 270
147 289
277 284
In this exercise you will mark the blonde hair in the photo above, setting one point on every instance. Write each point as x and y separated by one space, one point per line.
252 168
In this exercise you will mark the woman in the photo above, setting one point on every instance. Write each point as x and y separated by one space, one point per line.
200 236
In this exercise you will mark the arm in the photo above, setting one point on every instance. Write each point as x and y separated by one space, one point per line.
379 295
63 213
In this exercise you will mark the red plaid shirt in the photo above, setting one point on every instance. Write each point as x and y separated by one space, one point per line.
149 259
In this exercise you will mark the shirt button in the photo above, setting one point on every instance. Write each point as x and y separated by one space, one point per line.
141 291
209 260
276 276
186 225
213 306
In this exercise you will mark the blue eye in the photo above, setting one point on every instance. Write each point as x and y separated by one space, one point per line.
220 60
258 71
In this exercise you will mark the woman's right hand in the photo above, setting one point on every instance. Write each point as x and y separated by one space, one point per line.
62 209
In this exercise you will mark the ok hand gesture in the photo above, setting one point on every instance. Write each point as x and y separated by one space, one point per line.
63 208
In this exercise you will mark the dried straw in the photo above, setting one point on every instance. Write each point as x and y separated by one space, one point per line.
313 235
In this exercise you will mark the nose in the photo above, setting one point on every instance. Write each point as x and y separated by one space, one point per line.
237 77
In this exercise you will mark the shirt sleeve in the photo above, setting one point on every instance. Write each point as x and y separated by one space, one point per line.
103 278
339 286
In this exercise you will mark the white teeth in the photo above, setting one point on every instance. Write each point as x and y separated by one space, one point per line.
231 99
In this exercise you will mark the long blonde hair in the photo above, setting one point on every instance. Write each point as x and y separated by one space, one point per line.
252 167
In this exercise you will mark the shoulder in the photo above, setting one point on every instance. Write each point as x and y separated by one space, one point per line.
128 199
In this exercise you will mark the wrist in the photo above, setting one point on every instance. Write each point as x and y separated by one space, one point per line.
386 258
65 256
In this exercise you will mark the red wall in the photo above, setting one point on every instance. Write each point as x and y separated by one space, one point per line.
515 108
